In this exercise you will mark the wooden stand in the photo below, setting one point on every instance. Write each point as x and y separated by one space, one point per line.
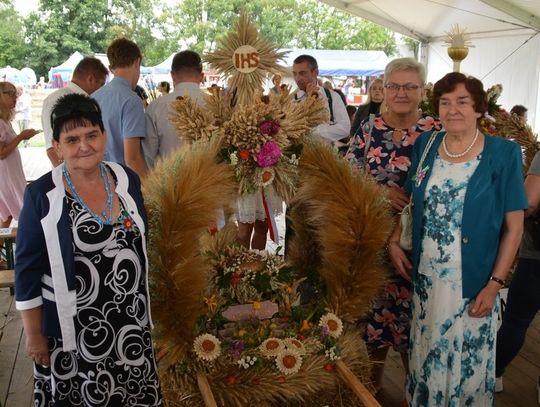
343 370
206 390
356 385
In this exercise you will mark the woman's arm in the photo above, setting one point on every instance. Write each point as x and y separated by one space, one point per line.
532 189
399 259
7 148
513 230
37 345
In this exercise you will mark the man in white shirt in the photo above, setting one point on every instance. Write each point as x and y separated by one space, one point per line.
305 71
89 75
161 136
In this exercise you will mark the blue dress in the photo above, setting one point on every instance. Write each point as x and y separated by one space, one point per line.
452 355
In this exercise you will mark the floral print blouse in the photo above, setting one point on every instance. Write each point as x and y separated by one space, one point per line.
388 158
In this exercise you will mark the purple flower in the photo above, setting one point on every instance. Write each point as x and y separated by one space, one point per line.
269 155
324 332
236 349
269 127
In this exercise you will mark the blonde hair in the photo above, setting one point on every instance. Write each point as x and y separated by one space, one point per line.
6 114
373 82
405 64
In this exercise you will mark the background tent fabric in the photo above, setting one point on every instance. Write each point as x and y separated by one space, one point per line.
164 67
331 62
505 34
343 62
68 66
13 75
30 74
65 70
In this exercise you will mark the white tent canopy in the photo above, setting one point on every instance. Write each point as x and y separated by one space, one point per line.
343 62
505 34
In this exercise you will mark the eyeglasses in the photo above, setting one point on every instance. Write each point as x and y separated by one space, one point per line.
85 109
11 93
408 87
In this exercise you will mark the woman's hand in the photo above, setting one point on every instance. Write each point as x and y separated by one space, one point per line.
484 301
397 196
37 347
28 133
399 259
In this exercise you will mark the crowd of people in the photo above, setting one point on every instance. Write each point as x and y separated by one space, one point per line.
81 262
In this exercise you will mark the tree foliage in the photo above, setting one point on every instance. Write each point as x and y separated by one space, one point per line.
60 27
11 36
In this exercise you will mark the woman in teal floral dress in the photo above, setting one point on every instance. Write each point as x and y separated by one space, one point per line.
468 200
383 148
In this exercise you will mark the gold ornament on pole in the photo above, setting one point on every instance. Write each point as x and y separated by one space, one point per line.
459 43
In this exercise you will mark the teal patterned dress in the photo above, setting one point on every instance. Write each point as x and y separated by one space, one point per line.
452 357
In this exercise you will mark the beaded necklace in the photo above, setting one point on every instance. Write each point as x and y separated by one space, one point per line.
459 155
103 218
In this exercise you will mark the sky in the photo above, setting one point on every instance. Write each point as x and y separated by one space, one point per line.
24 7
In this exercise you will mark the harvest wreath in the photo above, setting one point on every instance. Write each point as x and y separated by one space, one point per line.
237 327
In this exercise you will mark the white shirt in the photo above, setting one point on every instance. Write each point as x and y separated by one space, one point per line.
341 125
23 108
48 105
161 136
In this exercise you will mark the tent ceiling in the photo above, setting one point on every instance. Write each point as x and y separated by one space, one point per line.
429 20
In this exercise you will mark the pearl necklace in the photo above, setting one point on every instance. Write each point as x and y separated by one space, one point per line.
104 218
464 153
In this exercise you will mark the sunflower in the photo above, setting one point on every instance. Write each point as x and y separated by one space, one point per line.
332 323
288 361
207 347
271 347
295 344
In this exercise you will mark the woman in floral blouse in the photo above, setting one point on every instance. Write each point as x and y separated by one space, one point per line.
389 138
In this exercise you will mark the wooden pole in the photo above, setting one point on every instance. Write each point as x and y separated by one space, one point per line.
206 391
356 385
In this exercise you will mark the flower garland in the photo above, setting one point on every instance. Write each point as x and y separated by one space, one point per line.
254 316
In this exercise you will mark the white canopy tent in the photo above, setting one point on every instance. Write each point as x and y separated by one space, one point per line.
505 33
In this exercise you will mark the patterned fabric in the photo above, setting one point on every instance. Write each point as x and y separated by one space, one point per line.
452 355
114 362
389 321
388 160
389 155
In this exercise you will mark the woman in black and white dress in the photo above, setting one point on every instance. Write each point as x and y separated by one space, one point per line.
82 273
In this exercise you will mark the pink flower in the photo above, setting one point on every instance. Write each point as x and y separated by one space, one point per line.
269 127
400 162
399 335
375 154
386 317
269 155
373 334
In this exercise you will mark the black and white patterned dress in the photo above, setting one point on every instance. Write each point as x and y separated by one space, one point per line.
114 363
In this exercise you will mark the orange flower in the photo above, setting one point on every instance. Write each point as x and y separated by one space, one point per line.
266 176
243 154
305 326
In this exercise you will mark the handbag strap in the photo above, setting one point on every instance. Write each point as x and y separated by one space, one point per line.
368 139
426 151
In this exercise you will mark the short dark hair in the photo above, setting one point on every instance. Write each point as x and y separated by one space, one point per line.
75 110
187 61
123 53
449 82
90 65
306 58
519 110
166 85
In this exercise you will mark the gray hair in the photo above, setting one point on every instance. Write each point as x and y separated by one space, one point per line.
405 64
